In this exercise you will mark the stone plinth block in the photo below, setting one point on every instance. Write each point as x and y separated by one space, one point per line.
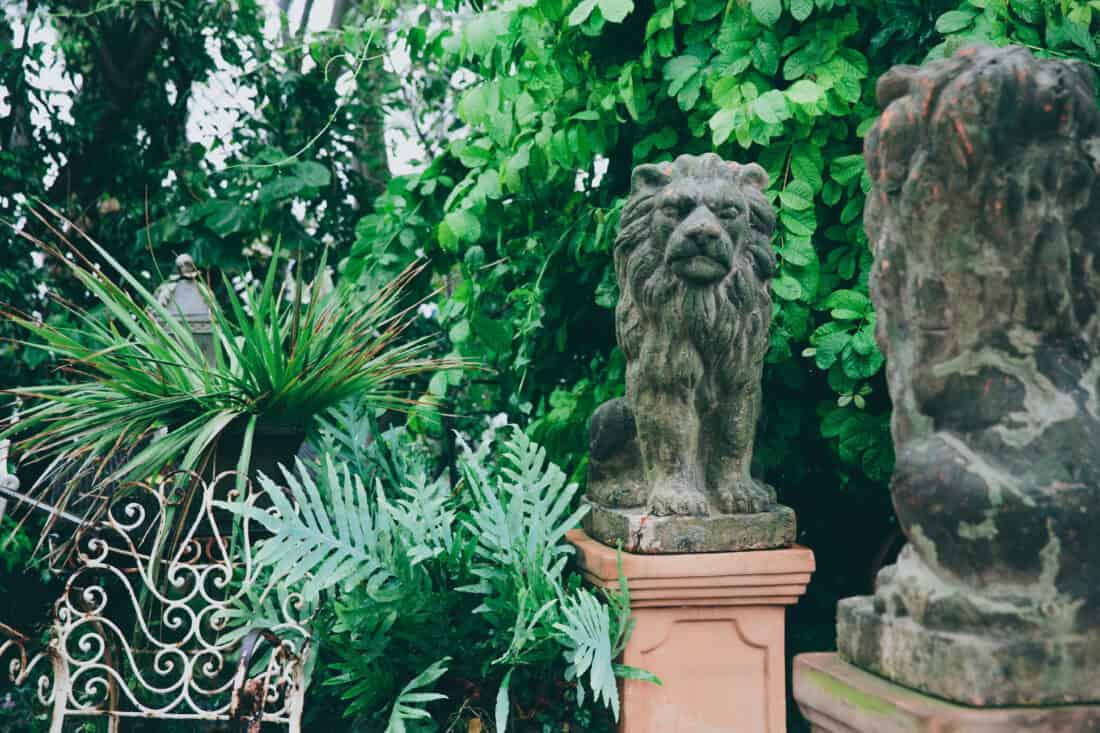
647 534
969 668
710 626
837 697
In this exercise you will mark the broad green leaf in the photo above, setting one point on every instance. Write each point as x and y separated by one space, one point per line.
313 174
864 340
1030 10
474 154
797 250
485 30
765 54
678 71
846 167
829 348
804 91
438 384
464 225
494 333
488 186
767 11
722 124
771 107
448 240
835 423
226 217
786 287
953 21
809 277
848 300
460 332
799 222
514 165
281 188
614 11
861 366
797 195
807 164
707 9
801 9
581 12
851 211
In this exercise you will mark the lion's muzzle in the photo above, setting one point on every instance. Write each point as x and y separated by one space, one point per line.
699 249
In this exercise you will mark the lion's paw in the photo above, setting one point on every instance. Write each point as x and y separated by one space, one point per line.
746 497
677 498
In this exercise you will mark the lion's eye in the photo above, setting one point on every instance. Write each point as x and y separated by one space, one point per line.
678 207
731 212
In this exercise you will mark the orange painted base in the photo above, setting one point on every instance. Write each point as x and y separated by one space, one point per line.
710 626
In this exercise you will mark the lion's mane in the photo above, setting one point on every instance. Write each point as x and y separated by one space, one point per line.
658 312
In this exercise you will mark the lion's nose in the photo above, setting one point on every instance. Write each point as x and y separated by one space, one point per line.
702 229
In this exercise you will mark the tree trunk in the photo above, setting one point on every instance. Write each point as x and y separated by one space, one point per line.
372 158
126 49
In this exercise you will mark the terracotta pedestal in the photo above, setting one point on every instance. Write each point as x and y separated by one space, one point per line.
710 626
837 697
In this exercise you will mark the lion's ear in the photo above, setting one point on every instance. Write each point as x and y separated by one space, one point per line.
649 177
895 83
754 174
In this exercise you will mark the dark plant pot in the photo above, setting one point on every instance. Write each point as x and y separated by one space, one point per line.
272 444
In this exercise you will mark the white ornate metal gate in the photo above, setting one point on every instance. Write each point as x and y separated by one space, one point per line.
136 637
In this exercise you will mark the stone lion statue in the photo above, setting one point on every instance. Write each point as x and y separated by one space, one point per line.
693 259
985 223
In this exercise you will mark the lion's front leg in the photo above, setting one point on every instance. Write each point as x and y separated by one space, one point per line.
729 430
668 437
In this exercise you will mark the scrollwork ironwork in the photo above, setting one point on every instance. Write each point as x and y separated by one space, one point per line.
142 626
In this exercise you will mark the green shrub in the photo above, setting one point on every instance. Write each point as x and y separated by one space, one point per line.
437 606
519 221
278 358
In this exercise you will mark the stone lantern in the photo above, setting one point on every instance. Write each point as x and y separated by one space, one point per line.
183 296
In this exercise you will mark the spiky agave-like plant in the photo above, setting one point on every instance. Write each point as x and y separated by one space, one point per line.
142 399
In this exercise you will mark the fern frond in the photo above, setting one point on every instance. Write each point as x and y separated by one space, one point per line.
520 518
320 546
426 516
407 706
586 629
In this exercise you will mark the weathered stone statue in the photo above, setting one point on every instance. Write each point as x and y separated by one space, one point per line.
670 461
985 223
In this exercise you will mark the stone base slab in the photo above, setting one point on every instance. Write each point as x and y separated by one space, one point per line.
647 534
711 627
837 697
968 668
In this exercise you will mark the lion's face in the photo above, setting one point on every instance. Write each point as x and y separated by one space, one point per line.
698 220
694 250
698 227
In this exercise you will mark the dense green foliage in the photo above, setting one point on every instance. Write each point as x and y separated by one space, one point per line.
516 210
437 605
282 353
519 221
122 165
